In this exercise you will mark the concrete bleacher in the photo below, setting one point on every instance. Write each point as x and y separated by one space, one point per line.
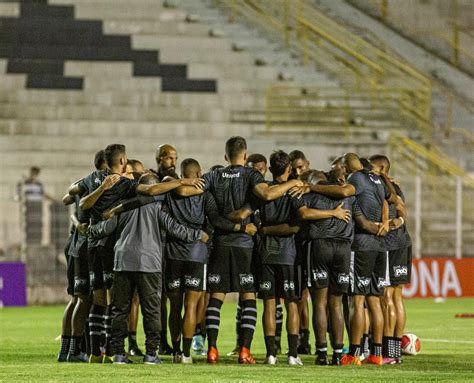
128 101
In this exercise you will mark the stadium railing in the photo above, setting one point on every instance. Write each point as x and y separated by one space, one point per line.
441 202
356 63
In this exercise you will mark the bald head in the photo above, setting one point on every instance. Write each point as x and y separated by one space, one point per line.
166 159
352 163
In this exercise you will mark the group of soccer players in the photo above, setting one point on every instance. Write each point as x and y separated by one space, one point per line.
140 237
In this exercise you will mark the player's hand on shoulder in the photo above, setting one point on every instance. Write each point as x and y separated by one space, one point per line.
341 213
299 191
110 181
198 183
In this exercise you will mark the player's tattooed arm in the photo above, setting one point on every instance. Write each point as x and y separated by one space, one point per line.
281 230
184 187
309 214
270 193
89 200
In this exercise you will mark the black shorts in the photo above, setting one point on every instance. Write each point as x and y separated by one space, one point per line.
101 267
278 281
369 269
82 285
230 270
185 275
329 265
399 266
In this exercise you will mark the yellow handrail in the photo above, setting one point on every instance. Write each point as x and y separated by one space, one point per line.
355 61
433 157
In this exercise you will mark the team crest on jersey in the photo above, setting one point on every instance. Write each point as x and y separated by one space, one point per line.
400 270
288 285
213 278
363 282
343 278
320 275
246 279
191 281
266 285
174 284
97 181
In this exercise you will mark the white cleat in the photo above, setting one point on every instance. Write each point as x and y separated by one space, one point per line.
292 361
186 359
271 360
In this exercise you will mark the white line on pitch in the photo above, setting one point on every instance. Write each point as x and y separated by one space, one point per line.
447 341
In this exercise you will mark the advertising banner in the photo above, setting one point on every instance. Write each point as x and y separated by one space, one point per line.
441 277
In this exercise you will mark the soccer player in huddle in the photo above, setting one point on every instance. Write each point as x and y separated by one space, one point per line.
398 244
328 245
230 264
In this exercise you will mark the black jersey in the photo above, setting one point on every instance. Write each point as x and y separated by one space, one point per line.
124 188
397 239
193 212
279 250
232 187
330 227
371 192
78 244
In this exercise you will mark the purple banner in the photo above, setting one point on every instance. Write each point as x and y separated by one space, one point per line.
12 284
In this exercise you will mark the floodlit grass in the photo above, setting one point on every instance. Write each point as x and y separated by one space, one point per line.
28 350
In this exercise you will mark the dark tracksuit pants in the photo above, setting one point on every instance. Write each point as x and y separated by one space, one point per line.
148 286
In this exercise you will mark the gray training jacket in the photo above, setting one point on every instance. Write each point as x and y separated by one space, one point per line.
140 241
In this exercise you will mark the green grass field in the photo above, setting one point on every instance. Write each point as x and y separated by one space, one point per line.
28 350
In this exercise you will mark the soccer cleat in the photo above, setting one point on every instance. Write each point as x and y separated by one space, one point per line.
294 361
372 359
198 343
212 355
271 360
151 359
80 358
135 351
388 360
336 359
120 359
349 359
322 360
107 359
177 357
95 358
186 359
245 357
235 351
165 349
62 357
398 360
